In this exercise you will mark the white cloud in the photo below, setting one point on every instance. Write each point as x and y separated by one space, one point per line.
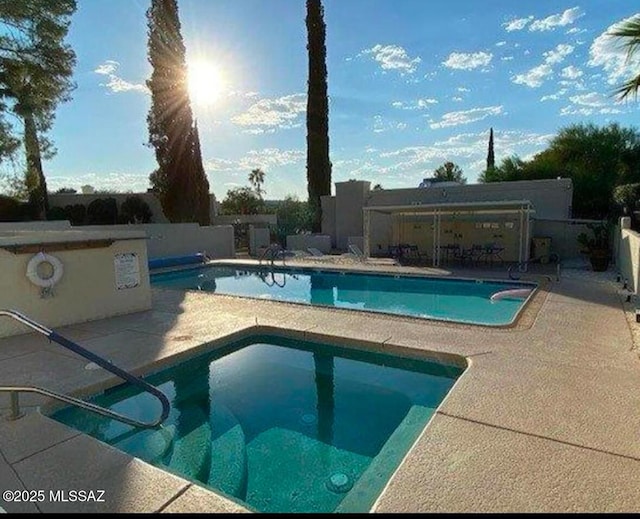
267 159
380 125
420 104
115 83
467 149
501 43
466 116
576 30
116 182
606 52
536 76
108 67
282 112
554 21
463 89
468 61
393 57
506 58
457 99
517 24
589 104
554 97
423 103
558 54
571 72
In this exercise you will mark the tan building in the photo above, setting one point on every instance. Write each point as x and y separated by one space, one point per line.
439 220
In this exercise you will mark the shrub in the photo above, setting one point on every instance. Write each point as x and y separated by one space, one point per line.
294 217
56 213
135 210
102 211
76 214
12 210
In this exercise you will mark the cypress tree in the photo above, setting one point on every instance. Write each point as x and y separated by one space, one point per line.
179 181
318 163
491 158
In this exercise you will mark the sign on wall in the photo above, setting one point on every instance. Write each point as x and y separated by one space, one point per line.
127 270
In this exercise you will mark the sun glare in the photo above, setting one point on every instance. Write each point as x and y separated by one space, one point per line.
205 82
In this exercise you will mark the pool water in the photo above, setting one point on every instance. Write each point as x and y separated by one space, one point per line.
467 301
280 424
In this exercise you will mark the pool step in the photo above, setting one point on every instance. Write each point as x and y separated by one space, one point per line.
151 445
228 469
191 451
368 487
291 471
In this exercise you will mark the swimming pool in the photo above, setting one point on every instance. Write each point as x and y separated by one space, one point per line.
279 424
467 301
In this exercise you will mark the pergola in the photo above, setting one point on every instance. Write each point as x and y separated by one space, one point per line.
522 208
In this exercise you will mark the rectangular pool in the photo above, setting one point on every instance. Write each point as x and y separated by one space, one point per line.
466 301
279 424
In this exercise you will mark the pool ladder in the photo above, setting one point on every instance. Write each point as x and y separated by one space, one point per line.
14 391
271 254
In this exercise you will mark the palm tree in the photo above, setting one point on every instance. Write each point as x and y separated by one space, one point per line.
256 179
630 31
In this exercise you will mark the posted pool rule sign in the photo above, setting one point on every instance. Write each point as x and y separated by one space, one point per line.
127 270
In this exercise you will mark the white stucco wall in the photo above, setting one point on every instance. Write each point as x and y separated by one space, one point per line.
628 257
87 290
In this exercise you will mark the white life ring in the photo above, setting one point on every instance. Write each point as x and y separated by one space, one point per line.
34 276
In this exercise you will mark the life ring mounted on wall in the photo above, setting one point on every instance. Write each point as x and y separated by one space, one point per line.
57 270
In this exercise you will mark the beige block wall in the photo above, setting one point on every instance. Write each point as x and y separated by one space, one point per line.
87 290
328 204
304 241
178 239
55 225
563 234
628 257
350 199
550 198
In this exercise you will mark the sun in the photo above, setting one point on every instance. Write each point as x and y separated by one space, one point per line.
206 83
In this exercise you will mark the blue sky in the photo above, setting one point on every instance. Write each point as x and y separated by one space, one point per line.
412 83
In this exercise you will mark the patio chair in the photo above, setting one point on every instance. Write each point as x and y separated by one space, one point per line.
355 250
315 252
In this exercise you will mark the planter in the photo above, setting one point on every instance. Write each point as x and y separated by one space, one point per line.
599 260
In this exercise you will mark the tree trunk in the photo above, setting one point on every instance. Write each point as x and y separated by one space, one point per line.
36 183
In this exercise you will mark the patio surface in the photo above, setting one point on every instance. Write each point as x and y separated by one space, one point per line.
545 418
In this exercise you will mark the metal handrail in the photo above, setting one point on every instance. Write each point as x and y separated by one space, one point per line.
272 249
92 357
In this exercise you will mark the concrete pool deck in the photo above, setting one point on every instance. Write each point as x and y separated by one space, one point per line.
544 419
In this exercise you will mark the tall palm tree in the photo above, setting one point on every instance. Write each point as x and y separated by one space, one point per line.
256 179
630 31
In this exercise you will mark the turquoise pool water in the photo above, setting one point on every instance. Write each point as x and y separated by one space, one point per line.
279 424
446 299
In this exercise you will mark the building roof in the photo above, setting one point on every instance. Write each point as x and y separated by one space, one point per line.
489 207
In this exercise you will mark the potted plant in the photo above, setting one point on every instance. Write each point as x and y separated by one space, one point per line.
596 246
